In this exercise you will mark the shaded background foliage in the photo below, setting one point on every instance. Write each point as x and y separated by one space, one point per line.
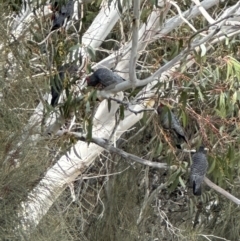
108 207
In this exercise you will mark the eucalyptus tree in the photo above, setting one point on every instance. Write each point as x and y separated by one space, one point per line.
182 54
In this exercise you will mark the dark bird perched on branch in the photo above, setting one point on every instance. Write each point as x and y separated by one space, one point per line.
58 79
198 170
61 14
170 121
104 77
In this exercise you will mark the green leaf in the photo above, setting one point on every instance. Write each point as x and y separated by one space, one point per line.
174 51
197 57
161 18
144 118
109 105
88 107
221 129
212 167
184 98
91 52
159 149
93 95
152 140
227 41
184 118
75 47
89 130
234 97
217 74
203 50
174 184
173 176
121 112
200 94
182 182
230 155
222 100
191 205
229 69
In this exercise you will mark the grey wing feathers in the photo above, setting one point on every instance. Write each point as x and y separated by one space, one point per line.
166 122
107 77
174 123
104 76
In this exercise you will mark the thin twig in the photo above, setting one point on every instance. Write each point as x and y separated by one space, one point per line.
222 191
181 16
127 105
105 144
204 12
148 201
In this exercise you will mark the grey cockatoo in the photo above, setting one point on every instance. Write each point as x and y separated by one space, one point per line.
61 14
170 121
56 82
104 77
198 170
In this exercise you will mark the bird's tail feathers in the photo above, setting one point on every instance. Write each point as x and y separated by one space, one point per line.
197 191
